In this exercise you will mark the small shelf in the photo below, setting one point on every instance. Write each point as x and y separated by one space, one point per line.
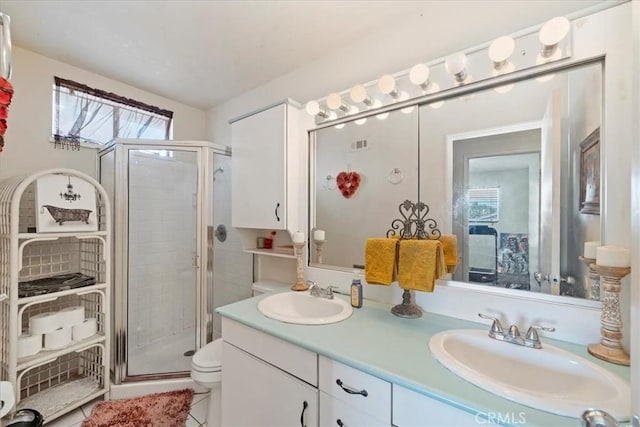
44 355
269 252
55 401
52 295
80 235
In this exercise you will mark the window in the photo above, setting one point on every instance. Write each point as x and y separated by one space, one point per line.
84 115
483 204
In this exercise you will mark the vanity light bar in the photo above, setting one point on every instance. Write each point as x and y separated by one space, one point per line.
550 37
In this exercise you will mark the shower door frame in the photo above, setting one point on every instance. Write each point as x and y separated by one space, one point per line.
204 247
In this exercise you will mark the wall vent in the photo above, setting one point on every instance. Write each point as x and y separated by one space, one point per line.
359 144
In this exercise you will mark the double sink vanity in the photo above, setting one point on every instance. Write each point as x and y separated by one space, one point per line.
322 363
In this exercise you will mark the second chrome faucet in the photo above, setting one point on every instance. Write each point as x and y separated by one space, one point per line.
512 335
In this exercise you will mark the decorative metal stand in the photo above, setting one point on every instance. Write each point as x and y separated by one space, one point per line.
593 279
413 224
319 244
609 348
300 284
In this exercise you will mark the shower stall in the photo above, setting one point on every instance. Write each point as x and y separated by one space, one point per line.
171 201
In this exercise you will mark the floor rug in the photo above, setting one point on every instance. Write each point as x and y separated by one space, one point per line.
169 409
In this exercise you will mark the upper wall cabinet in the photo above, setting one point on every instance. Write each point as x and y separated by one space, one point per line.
266 149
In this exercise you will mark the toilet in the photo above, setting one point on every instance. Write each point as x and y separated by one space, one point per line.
206 370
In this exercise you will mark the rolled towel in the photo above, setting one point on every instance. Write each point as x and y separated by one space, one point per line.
380 261
420 263
450 249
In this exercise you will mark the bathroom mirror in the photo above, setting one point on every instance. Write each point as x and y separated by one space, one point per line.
500 168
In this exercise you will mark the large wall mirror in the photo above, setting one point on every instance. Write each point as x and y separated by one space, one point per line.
512 171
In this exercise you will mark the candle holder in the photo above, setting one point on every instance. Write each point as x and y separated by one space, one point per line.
610 348
300 284
319 244
593 279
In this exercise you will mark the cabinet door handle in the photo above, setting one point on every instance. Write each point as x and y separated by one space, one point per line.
276 212
350 390
304 408
340 423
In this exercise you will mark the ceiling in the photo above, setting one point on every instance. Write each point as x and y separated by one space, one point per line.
203 53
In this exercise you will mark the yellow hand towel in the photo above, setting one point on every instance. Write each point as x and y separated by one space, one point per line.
420 263
450 249
380 260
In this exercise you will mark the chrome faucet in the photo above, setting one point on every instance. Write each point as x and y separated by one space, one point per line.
531 339
316 291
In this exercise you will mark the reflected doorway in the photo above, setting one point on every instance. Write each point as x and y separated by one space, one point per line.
496 188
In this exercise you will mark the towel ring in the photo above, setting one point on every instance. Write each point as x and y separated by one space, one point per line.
395 176
330 182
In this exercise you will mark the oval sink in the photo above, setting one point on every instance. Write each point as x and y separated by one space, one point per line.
550 379
304 309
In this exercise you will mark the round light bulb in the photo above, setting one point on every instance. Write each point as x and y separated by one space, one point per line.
360 122
433 88
419 74
554 30
340 126
387 84
501 49
456 63
358 93
382 116
334 101
312 108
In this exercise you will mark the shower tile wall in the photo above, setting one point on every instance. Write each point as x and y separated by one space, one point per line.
161 274
232 267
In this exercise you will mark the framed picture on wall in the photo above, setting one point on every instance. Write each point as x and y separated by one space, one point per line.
65 203
590 174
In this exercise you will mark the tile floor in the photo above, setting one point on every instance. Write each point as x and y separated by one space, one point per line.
196 416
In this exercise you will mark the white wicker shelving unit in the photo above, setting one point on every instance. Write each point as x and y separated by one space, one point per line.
53 382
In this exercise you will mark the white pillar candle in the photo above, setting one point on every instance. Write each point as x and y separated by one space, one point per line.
613 256
590 249
298 237
318 235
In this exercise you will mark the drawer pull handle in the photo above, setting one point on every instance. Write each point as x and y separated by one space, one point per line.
340 423
276 212
350 390
304 408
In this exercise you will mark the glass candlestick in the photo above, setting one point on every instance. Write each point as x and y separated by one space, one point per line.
610 348
300 284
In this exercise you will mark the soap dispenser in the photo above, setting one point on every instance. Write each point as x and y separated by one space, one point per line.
356 290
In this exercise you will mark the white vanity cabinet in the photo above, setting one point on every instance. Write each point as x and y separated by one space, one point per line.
256 393
411 409
266 148
266 381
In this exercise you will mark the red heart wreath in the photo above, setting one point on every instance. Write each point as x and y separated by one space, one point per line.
348 183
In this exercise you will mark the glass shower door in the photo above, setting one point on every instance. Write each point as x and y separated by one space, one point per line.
162 262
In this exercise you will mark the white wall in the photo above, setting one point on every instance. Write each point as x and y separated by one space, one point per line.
27 147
